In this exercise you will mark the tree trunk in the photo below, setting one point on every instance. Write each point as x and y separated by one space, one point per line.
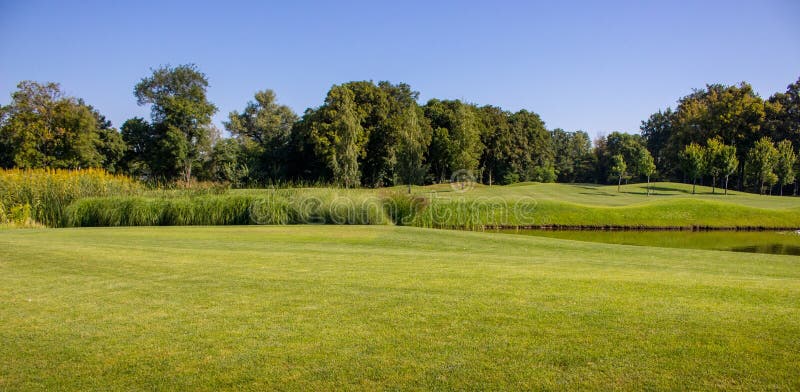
713 185
187 171
726 184
694 184
490 178
619 184
409 188
781 189
648 185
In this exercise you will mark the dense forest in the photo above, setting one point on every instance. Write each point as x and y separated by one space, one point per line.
373 135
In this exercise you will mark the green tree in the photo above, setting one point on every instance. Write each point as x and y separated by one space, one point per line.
645 166
734 113
456 143
536 161
181 117
761 161
783 114
625 144
267 125
339 137
786 160
410 153
693 159
619 169
42 127
572 152
656 132
500 149
720 161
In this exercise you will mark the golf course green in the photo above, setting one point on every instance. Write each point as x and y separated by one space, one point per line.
320 307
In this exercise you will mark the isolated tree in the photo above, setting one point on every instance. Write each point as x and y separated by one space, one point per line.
715 164
720 161
761 161
267 125
619 169
693 161
181 115
784 166
645 166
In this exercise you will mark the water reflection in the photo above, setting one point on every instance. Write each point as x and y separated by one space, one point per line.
782 243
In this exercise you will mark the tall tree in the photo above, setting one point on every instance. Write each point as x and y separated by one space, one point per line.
783 115
456 143
181 115
734 113
42 127
572 152
693 159
267 125
784 166
410 153
656 132
537 160
338 136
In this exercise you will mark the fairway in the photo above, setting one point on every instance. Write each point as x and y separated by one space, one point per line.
386 307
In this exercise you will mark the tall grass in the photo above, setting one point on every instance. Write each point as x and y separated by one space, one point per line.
48 192
266 207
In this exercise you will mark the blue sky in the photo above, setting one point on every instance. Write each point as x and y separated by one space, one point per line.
596 66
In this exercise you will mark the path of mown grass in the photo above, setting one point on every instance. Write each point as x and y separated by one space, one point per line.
355 307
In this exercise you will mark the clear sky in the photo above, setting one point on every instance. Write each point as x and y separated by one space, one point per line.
599 66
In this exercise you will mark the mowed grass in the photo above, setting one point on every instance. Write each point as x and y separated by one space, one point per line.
607 195
385 307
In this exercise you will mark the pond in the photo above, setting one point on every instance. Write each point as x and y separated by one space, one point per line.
775 242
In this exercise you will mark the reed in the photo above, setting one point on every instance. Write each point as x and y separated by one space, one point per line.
48 192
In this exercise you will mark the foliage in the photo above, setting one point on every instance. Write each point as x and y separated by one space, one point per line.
693 162
181 120
785 165
761 161
48 192
619 168
721 161
42 127
267 125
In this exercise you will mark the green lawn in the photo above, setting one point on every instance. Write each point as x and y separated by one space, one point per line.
384 307
607 195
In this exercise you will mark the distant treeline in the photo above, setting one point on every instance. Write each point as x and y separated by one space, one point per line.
368 134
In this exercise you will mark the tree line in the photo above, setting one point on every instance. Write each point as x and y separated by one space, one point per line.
378 134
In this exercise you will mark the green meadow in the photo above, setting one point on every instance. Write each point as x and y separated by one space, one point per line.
383 307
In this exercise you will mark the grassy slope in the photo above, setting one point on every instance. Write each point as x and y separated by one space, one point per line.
317 307
607 195
671 205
